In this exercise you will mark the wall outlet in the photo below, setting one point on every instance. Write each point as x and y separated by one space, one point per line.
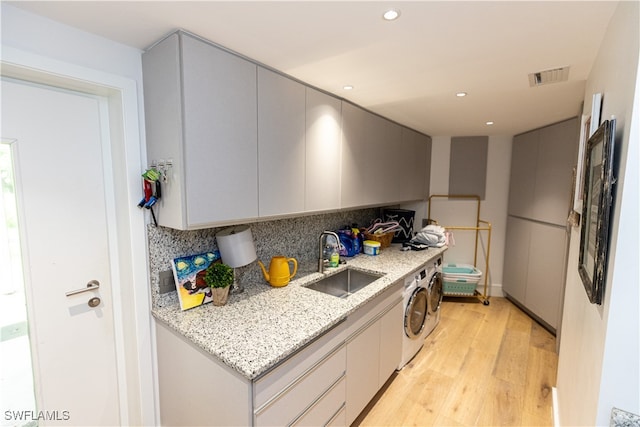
167 284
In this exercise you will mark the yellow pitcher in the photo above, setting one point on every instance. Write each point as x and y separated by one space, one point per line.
279 274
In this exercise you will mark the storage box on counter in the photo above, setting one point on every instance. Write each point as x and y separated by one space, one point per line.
384 238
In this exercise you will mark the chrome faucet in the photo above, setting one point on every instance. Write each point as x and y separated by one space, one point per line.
321 258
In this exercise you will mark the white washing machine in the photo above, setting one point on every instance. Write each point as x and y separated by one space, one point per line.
422 299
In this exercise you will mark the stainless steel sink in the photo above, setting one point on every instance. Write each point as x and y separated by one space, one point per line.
345 283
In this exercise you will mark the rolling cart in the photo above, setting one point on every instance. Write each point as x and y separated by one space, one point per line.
462 287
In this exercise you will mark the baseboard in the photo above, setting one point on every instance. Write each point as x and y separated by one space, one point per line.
554 403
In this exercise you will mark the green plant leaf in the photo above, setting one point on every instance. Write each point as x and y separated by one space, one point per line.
218 275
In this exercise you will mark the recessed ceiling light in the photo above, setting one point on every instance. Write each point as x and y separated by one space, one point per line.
461 94
391 14
489 123
347 87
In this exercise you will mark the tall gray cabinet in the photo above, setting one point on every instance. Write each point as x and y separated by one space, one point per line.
542 161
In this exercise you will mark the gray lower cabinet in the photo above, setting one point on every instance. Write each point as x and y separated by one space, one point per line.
373 353
328 382
534 267
307 389
200 111
188 375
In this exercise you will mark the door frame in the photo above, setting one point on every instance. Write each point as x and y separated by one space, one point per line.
135 347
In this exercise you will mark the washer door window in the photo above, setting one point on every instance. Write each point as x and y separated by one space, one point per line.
415 315
436 293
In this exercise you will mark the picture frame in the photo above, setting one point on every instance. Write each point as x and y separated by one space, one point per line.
188 272
598 186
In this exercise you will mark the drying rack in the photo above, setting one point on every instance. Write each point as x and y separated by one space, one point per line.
481 225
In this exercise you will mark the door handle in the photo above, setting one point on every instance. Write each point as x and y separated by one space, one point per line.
91 286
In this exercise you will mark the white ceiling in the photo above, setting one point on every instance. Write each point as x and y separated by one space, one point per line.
408 70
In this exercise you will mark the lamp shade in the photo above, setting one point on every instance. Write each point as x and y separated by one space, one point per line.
236 246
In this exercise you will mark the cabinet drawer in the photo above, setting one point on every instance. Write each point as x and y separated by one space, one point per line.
339 419
299 395
326 408
289 371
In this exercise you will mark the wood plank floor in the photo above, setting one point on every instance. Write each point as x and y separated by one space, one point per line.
482 366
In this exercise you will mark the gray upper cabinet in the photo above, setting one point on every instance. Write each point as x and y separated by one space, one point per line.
323 151
281 144
382 162
523 173
246 142
200 108
542 162
357 156
412 159
556 157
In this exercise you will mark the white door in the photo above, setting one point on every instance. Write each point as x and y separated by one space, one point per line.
62 212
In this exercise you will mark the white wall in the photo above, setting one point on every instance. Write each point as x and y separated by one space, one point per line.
452 213
599 360
65 55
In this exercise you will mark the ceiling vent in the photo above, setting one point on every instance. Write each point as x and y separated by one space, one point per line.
555 75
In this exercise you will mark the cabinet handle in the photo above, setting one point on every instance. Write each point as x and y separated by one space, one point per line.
318 399
334 416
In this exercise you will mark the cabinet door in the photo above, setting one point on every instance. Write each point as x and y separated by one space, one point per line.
412 166
163 118
516 258
185 370
545 273
390 342
363 361
386 183
323 151
220 134
524 157
281 144
357 157
557 155
369 148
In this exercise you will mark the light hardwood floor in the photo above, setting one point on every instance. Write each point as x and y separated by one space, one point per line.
482 366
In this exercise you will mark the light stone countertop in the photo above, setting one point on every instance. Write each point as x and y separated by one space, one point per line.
263 325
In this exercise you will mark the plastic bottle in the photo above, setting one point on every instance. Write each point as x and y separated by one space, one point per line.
334 260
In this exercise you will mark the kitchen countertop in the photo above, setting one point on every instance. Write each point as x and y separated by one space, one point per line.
264 325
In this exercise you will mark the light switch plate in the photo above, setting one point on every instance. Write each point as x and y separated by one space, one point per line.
167 284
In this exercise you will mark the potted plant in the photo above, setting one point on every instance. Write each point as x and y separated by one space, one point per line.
219 277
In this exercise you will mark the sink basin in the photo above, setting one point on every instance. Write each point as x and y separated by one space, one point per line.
344 283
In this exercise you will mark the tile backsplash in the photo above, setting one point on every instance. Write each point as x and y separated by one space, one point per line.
292 237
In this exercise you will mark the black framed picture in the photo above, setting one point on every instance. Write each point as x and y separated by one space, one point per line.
596 210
